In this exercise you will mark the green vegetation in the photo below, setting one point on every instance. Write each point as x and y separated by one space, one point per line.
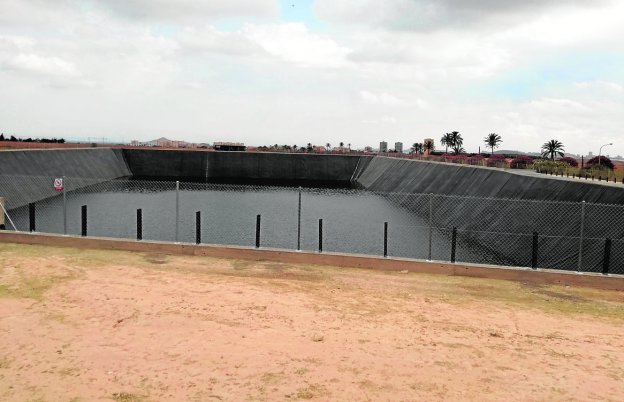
552 148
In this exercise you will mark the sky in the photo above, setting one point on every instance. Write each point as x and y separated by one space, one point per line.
299 71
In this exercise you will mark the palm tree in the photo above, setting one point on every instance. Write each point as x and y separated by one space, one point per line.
457 142
328 146
492 140
447 141
429 146
417 148
552 148
341 144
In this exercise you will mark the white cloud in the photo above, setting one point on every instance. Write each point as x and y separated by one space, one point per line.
406 70
210 39
380 99
173 10
293 42
35 64
428 15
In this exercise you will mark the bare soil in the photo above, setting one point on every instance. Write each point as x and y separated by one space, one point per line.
85 325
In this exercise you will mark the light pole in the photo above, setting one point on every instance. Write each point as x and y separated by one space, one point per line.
600 152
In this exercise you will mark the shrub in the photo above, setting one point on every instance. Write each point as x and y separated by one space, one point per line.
475 160
496 160
521 162
605 163
569 161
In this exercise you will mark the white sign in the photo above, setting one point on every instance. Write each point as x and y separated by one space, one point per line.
58 184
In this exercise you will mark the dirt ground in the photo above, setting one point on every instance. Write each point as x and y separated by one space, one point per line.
84 325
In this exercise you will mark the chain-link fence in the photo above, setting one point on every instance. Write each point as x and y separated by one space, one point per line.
559 235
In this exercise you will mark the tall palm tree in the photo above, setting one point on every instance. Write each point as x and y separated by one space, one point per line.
492 140
552 148
457 142
429 146
447 141
417 148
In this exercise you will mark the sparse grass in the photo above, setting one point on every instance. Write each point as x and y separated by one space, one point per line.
5 362
441 288
128 397
32 287
311 391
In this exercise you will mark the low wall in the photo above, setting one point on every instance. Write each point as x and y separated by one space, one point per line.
240 165
538 276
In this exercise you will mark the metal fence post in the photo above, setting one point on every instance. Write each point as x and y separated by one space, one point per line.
320 244
257 231
139 220
581 234
606 259
64 206
535 250
453 244
31 216
177 212
385 254
430 224
299 223
198 227
2 213
83 216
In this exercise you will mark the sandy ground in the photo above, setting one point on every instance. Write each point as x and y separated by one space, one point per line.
79 325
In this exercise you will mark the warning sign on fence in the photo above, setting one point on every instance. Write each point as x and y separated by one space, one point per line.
58 184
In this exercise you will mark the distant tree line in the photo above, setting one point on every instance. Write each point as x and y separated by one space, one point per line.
42 140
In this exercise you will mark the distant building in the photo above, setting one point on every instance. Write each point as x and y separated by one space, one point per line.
229 146
590 154
398 147
383 146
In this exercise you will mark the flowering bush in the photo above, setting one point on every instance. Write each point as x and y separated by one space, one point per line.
475 160
604 163
496 160
569 161
521 162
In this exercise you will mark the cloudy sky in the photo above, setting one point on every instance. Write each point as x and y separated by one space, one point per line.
299 71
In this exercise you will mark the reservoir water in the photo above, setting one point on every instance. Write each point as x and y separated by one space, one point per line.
353 220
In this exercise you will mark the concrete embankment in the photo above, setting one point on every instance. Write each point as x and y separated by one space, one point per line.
240 165
27 176
493 225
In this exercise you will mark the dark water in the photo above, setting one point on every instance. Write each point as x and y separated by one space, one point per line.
353 220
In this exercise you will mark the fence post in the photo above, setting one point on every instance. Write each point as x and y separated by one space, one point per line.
453 244
64 206
385 254
430 224
606 259
177 212
31 216
198 227
320 244
83 215
257 231
139 220
2 226
581 234
535 250
299 223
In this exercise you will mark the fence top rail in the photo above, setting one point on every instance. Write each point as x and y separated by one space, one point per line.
184 185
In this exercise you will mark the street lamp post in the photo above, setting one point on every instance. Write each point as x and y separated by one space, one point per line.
600 152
